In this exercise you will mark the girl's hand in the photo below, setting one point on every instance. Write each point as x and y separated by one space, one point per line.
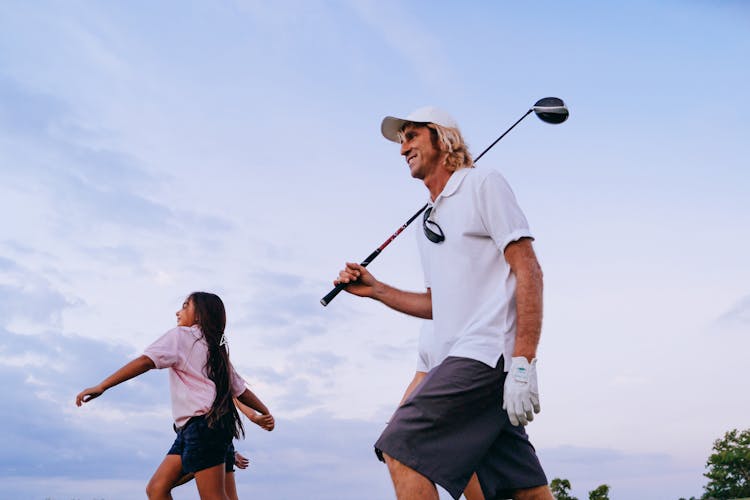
264 421
88 394
240 461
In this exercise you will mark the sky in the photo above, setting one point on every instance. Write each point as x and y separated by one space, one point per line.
151 149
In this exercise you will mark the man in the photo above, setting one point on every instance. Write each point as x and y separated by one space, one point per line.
458 423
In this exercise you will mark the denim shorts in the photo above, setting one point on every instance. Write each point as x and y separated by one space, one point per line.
229 458
201 447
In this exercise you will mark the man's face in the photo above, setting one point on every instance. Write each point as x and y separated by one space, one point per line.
420 153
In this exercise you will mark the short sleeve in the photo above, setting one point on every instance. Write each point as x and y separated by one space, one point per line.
238 383
164 352
500 213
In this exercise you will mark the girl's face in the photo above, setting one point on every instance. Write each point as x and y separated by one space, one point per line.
186 315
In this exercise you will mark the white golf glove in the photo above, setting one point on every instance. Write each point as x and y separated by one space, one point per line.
521 393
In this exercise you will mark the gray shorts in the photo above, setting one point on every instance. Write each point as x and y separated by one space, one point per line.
453 425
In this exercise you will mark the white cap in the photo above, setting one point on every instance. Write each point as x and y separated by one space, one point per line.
429 114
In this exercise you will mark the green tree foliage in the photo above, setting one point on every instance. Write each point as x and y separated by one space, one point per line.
560 489
600 493
729 467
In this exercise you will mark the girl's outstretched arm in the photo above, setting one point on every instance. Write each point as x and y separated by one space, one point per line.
139 365
249 402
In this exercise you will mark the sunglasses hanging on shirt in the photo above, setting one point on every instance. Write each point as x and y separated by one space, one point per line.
431 229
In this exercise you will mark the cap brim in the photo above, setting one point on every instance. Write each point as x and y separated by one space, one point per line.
391 126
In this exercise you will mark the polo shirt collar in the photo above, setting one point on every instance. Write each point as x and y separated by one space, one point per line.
454 181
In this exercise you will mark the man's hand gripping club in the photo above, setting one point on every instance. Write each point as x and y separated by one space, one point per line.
359 280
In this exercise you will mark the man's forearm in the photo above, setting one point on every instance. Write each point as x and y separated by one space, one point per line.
529 292
417 304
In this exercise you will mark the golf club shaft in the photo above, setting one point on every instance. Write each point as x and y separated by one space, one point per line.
503 135
328 298
325 300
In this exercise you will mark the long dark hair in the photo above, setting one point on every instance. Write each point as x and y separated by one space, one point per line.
211 317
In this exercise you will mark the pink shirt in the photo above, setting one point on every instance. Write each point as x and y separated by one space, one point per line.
184 351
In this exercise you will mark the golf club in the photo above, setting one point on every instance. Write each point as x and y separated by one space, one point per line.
548 109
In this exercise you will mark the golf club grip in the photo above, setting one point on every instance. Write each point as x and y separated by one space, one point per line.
336 290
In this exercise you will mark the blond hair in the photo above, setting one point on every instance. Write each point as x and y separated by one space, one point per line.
448 140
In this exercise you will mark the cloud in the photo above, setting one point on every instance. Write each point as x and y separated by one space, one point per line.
646 476
55 487
51 153
317 363
86 180
123 254
285 307
45 435
27 295
385 352
405 34
738 316
27 113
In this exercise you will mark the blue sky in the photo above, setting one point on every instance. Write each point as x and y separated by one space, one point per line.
149 150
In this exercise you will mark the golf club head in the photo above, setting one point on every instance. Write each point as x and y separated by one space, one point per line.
551 110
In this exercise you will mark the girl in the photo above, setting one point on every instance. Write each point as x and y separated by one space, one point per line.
202 385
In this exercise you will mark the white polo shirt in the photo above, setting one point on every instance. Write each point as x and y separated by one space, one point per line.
473 289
